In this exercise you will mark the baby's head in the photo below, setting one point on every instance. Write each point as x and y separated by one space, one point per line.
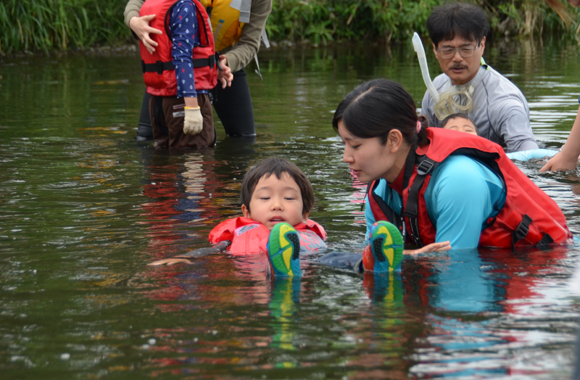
461 123
274 191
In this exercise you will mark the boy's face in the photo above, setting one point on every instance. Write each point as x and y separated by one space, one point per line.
462 125
276 200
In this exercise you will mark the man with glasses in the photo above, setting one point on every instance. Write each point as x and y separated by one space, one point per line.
500 110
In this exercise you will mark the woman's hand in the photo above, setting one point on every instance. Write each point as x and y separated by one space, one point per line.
434 247
225 76
140 26
560 162
169 262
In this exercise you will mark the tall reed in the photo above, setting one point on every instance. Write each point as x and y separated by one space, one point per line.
322 21
65 24
60 24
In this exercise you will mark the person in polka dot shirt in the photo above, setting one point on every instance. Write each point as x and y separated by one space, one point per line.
181 114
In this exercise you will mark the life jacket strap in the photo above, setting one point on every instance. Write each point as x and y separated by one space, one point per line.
521 230
545 242
159 67
425 167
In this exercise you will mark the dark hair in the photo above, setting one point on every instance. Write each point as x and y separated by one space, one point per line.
466 20
277 166
459 115
376 107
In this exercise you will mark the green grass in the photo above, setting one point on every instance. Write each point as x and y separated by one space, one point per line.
29 25
32 25
322 21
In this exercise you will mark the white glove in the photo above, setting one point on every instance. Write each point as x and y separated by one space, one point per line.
193 121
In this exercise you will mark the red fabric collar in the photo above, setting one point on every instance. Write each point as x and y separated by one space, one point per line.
398 184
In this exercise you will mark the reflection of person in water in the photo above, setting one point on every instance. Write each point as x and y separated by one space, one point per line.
471 297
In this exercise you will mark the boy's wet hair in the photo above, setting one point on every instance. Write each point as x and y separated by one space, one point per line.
277 166
467 21
459 116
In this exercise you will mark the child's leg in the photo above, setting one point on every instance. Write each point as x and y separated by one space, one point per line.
385 251
343 260
284 251
160 132
144 129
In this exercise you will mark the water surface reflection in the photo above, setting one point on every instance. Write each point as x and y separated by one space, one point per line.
84 208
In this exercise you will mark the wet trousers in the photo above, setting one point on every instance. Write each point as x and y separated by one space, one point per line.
167 115
232 104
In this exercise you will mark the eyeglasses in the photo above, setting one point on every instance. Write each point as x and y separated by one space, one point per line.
464 51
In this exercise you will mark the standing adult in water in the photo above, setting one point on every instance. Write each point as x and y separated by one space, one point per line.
238 39
439 185
500 110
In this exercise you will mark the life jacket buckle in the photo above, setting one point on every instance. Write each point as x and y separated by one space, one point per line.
521 230
425 167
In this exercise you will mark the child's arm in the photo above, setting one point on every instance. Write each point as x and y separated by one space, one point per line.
186 257
567 159
185 37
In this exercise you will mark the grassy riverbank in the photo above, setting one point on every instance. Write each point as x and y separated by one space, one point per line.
32 25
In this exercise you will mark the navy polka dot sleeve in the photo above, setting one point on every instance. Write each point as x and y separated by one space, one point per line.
185 36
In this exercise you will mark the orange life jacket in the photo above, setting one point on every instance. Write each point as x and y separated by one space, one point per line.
158 69
529 216
250 237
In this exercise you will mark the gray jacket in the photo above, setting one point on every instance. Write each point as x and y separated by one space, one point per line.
500 110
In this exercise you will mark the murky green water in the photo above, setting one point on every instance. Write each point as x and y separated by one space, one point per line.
83 208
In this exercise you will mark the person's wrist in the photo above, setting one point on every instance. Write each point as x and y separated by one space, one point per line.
567 153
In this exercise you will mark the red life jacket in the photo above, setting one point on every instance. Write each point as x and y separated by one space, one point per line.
250 237
528 217
158 70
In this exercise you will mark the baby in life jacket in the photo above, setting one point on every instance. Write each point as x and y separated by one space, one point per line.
462 123
276 198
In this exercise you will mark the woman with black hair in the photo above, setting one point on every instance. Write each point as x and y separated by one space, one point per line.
439 185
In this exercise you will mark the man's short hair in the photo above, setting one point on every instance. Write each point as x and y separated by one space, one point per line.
457 19
277 166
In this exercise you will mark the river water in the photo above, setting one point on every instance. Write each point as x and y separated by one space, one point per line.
84 208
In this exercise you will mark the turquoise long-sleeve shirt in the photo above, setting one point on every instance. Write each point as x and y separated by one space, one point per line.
461 195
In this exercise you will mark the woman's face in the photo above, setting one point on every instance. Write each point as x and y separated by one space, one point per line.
367 158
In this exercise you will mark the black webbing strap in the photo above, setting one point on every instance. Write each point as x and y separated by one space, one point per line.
545 242
159 67
521 230
424 168
202 62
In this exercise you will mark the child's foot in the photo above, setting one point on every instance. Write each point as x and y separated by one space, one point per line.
386 245
284 251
